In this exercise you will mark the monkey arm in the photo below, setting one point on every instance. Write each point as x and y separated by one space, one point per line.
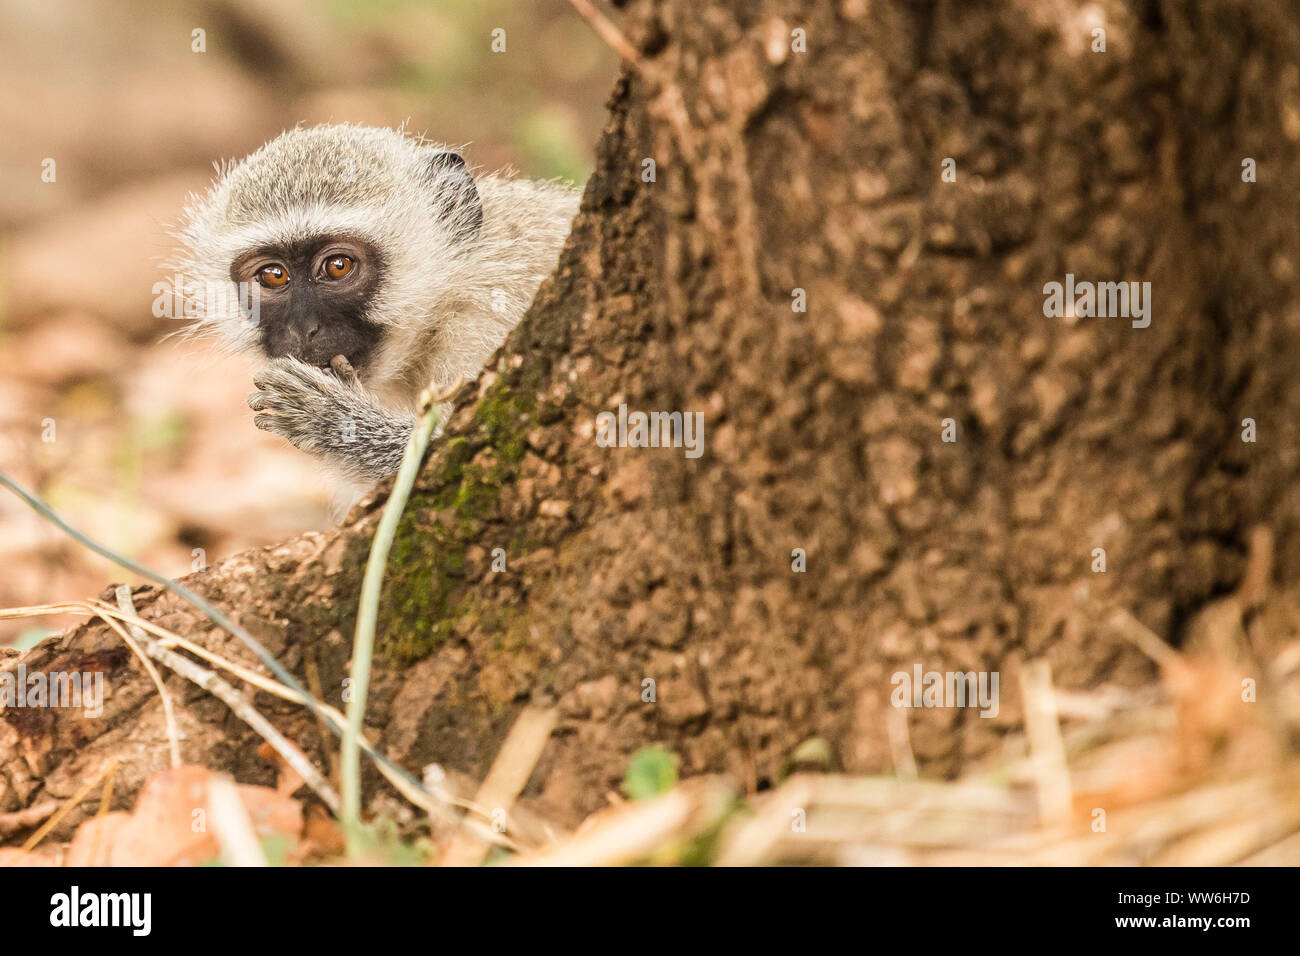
331 417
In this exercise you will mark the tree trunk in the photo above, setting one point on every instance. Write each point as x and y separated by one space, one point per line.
783 175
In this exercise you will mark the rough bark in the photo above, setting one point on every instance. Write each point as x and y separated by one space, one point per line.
778 170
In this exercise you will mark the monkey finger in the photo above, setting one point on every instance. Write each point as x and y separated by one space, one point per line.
270 423
269 401
274 378
341 367
288 376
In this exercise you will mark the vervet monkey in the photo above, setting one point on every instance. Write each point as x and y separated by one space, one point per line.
378 266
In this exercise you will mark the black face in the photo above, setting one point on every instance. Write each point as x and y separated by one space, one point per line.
312 298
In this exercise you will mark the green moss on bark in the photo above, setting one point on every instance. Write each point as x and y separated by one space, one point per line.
426 597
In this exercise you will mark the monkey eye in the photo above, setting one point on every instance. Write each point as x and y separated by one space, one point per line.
336 267
273 276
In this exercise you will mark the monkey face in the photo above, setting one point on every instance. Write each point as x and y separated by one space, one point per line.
312 296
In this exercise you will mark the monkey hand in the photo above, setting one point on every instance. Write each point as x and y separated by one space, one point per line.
330 416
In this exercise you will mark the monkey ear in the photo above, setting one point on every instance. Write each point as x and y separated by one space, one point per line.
455 195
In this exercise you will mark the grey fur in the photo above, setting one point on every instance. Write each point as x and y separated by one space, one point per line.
462 264
335 420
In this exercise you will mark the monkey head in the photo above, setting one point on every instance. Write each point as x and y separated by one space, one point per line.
327 242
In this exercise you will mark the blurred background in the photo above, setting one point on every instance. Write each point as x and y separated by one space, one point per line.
113 111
